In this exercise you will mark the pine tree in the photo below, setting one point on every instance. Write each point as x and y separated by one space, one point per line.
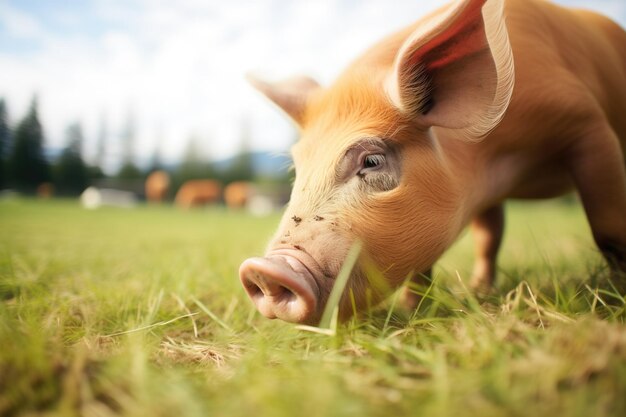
242 168
71 175
128 170
28 167
156 161
95 170
4 143
193 165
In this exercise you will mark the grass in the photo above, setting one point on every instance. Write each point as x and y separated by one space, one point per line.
140 313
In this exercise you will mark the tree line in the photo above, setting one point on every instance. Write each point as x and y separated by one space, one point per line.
24 165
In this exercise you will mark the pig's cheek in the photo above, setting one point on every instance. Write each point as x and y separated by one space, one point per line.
389 236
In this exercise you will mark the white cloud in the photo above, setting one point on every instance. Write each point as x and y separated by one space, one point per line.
18 24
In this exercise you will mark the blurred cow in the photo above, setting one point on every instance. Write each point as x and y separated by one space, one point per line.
195 193
237 194
157 186
45 190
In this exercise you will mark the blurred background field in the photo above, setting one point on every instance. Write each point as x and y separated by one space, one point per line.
140 312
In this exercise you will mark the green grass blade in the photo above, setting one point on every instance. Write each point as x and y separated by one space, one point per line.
211 314
340 285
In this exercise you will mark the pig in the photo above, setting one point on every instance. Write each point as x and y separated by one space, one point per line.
194 193
237 194
430 131
157 186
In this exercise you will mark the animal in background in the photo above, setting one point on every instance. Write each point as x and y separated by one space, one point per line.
430 131
237 194
45 190
196 193
157 185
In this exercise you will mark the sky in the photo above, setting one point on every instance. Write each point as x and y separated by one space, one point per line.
175 70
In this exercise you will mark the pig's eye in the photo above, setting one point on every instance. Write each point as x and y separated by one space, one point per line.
371 162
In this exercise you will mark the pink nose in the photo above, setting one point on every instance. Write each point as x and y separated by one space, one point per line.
280 288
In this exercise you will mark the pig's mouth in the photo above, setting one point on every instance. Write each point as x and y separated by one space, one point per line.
282 285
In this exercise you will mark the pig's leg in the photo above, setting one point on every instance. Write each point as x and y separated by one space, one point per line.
487 229
597 166
409 299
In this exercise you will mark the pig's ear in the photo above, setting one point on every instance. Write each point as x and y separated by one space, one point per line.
456 70
290 95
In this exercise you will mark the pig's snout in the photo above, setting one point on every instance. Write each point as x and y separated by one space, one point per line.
281 287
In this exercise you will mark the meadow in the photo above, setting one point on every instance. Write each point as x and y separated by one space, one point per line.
140 313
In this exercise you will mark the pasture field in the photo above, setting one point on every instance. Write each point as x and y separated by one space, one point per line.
140 313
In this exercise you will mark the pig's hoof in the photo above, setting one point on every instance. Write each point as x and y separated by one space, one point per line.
409 300
481 287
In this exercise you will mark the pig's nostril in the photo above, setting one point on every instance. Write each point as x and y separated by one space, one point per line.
260 287
284 294
254 290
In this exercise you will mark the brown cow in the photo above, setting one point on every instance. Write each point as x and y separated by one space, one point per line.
425 134
45 190
157 186
196 193
237 194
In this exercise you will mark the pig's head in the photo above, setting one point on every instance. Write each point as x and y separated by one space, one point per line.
369 166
